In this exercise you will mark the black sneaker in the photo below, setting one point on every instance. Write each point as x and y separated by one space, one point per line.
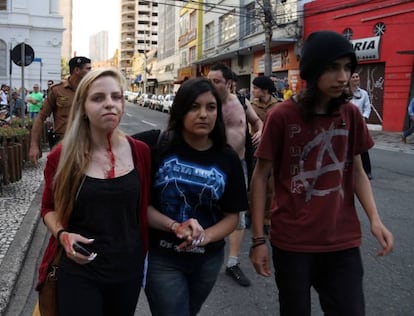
237 275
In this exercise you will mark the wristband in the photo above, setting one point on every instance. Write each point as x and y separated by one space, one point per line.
171 227
254 239
60 231
257 244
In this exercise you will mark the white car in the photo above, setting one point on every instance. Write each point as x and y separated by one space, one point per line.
167 103
132 97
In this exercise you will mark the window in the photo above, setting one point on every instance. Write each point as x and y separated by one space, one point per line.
3 5
183 25
192 54
227 28
209 43
379 29
183 60
3 58
192 21
250 24
347 33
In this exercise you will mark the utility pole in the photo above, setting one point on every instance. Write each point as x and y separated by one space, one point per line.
267 8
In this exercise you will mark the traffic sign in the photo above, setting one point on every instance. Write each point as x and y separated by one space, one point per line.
17 54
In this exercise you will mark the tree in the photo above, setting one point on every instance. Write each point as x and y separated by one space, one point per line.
64 68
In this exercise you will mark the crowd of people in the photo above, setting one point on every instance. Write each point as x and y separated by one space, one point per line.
156 208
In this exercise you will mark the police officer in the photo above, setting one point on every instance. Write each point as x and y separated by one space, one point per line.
58 104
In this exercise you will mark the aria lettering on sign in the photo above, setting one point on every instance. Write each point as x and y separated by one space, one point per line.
366 48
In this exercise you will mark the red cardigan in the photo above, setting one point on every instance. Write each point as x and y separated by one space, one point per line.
142 161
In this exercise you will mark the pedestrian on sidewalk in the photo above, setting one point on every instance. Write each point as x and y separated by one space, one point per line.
313 142
34 101
58 103
236 117
410 130
97 184
17 105
360 98
197 177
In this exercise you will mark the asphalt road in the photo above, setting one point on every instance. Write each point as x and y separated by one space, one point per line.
389 281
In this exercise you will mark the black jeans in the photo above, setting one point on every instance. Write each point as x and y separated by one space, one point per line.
80 296
366 163
336 276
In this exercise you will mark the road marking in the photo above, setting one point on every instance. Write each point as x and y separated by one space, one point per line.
149 123
127 114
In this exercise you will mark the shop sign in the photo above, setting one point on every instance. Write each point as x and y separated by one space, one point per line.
366 48
185 72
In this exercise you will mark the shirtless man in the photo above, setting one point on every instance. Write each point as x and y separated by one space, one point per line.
234 116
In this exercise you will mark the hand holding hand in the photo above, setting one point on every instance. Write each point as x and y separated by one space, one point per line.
192 232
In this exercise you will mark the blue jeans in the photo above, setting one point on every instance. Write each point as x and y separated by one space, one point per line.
336 276
179 283
409 131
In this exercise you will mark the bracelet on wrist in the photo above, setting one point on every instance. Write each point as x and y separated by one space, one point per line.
258 239
257 244
171 227
60 231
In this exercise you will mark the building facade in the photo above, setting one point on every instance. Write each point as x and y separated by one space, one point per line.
139 36
98 46
38 24
236 36
66 11
382 35
168 58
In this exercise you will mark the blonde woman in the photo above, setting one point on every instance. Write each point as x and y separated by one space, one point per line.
95 200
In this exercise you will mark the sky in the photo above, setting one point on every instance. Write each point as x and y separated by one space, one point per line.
92 16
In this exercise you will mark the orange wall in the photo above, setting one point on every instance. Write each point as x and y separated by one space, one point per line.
361 16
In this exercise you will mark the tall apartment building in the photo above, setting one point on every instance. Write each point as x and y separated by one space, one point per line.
139 32
98 46
168 58
66 11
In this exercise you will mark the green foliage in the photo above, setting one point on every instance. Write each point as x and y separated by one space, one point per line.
64 66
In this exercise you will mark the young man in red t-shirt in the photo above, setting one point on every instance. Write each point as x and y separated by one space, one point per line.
313 143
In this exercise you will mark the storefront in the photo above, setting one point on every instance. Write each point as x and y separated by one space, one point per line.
381 34
185 73
285 66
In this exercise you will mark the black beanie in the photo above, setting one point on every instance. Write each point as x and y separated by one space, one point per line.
319 50
264 83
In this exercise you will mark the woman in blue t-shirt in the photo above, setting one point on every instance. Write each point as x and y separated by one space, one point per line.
198 189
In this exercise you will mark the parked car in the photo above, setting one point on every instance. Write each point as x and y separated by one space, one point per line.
126 94
167 103
132 97
144 100
155 102
159 103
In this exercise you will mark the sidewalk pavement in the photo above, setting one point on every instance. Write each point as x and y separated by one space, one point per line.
20 206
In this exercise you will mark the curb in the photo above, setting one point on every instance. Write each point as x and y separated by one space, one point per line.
16 254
